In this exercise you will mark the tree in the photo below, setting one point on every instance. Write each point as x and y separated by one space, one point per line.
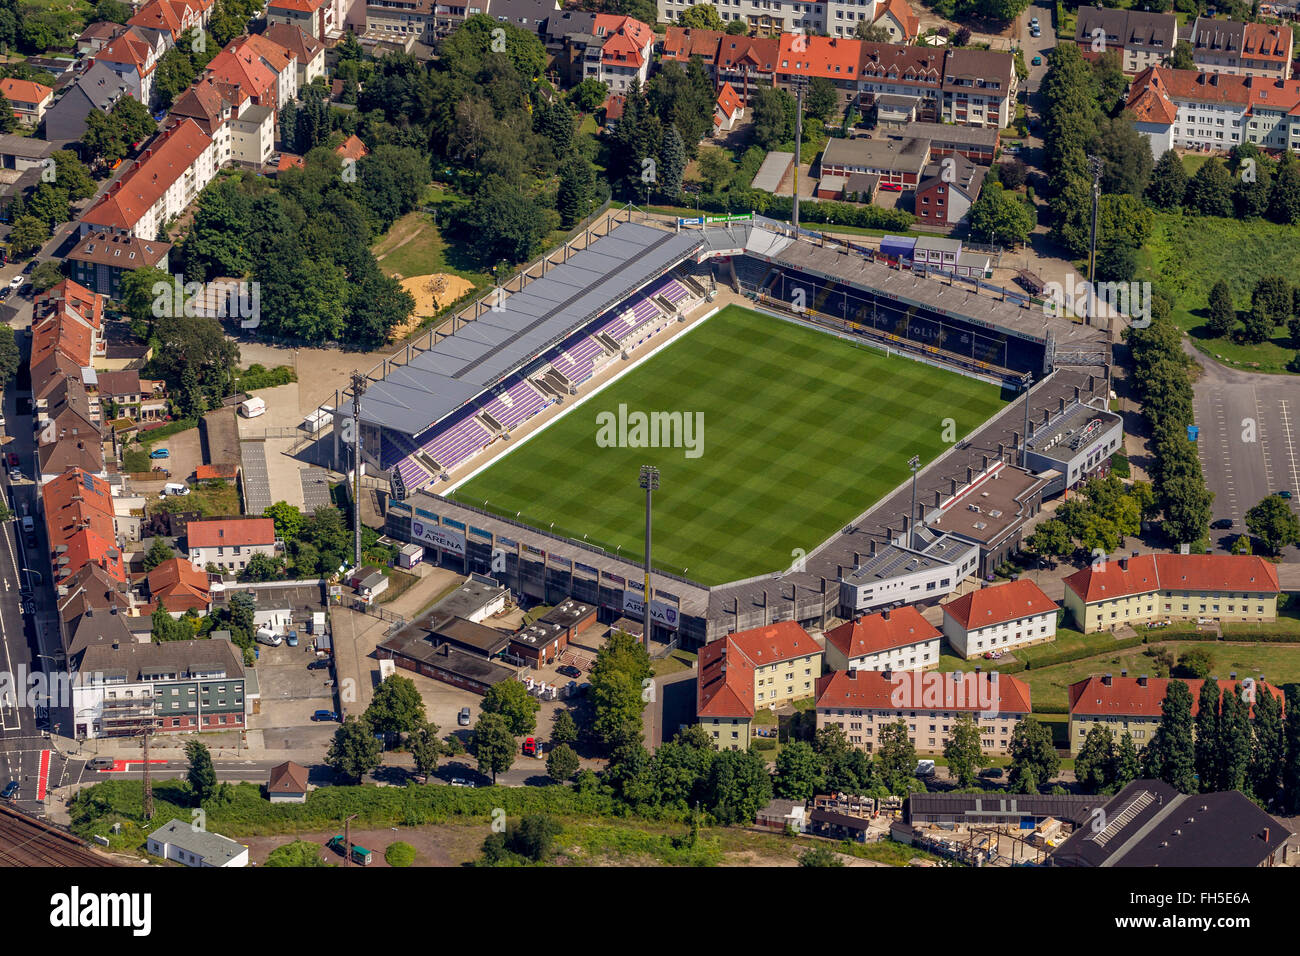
354 751
1235 742
1127 763
7 118
737 28
1291 760
45 276
589 95
701 16
201 775
820 855
396 707
564 730
1125 153
1094 765
561 763
1205 736
1033 753
616 690
1170 755
672 163
963 752
999 217
1210 190
288 520
896 757
1168 183
158 552
425 748
511 700
774 111
1284 194
1013 174
27 235
534 837
822 99
1274 523
504 222
577 189
798 772
739 785
1223 314
1182 56
9 355
493 745
1269 753
1051 539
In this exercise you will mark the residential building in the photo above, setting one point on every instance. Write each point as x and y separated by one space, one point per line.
169 175
178 586
1229 588
622 51
1141 38
134 56
80 526
830 58
979 88
1000 617
29 100
897 639
177 686
194 846
1133 705
1249 49
96 90
316 18
728 109
228 543
896 16
100 259
762 667
863 702
948 190
278 60
308 51
1150 824
912 76
419 19
23 153
143 400
97 36
287 783
747 63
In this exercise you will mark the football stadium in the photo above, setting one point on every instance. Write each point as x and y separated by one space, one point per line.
821 416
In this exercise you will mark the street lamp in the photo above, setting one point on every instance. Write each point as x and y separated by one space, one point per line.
649 480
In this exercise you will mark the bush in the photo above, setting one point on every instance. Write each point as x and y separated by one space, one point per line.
399 854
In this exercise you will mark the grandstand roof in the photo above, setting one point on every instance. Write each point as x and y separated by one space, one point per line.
463 365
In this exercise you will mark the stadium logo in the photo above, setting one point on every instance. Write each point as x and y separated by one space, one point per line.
1084 299
916 690
638 429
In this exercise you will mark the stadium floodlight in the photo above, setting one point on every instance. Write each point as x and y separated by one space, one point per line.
913 463
1026 382
649 480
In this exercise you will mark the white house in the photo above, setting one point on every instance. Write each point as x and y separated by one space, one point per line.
229 543
999 618
185 843
898 639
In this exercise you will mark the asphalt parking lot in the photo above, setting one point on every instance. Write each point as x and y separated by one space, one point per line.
290 695
1247 441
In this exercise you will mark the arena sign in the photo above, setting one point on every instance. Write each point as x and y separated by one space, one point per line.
436 535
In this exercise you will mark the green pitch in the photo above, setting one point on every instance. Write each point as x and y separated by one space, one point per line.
801 433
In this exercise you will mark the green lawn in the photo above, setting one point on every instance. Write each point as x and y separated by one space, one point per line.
1186 255
801 433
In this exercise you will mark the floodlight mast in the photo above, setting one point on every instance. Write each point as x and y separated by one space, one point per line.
649 480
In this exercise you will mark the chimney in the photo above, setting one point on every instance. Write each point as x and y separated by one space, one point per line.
1123 672
873 545
938 496
1047 416
1106 680
1232 676
887 674
1142 681
884 615
1123 564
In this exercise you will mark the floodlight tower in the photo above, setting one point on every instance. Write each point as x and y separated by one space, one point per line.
358 388
649 480
915 464
798 83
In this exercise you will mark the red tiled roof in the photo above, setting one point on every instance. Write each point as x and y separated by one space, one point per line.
1128 697
875 632
64 333
902 13
131 49
682 43
88 547
1175 572
1266 41
613 107
782 641
230 532
74 501
1010 601
898 691
158 16
760 53
72 297
294 40
1149 105
288 777
728 100
24 91
211 472
300 6
352 148
625 39
273 53
726 683
164 162
289 161
830 57
179 585
242 68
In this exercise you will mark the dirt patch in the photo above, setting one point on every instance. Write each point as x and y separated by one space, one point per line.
443 844
433 293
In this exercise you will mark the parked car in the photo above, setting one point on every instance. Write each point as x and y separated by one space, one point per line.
460 782
1222 523
16 281
1284 494
530 746
292 639
1037 61
160 453
568 670
463 717
892 187
4 293
319 665
27 269
326 715
11 790
992 773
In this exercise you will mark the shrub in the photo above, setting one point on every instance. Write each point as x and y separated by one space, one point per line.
399 854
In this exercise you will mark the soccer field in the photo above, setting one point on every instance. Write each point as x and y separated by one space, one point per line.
801 433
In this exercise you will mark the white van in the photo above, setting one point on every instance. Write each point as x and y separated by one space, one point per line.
268 637
175 488
29 526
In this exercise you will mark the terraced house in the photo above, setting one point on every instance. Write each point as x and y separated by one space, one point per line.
763 667
999 618
1248 49
1182 587
894 639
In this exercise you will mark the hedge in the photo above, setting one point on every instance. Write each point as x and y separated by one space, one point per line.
1064 657
1254 637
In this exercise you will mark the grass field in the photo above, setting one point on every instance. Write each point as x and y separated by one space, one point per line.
1186 255
801 433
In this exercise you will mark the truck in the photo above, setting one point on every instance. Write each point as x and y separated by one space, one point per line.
317 622
252 407
530 747
174 488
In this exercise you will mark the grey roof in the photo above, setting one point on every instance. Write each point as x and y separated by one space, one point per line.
464 365
908 155
25 147
1067 428
471 597
188 660
212 847
96 89
970 807
1149 823
773 170
943 134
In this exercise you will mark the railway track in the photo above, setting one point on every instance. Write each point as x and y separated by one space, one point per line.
26 841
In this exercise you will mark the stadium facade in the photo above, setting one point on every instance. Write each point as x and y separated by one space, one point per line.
447 401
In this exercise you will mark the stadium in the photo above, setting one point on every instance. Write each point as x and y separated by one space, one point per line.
816 371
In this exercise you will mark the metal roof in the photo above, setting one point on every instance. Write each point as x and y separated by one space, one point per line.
462 366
